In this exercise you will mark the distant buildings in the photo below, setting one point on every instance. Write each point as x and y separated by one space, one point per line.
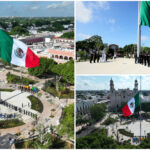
48 45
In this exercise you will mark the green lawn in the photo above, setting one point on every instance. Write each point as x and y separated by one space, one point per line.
10 123
36 104
6 90
126 133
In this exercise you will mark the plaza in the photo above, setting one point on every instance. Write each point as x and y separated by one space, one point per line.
116 66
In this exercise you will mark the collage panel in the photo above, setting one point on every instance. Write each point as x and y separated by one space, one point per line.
112 37
37 75
112 112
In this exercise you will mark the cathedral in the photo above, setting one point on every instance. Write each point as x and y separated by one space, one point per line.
121 95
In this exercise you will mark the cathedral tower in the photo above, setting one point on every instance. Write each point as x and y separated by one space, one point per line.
111 85
136 85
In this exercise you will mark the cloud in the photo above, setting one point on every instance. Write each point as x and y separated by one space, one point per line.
83 36
111 21
104 5
144 38
120 82
35 7
58 5
83 13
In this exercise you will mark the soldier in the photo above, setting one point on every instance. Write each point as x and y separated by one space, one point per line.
135 57
95 56
98 56
148 59
91 56
145 58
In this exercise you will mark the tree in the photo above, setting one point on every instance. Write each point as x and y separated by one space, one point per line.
19 30
66 71
66 126
46 66
96 140
68 35
97 111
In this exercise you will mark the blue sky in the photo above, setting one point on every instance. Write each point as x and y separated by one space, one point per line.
116 22
102 82
37 9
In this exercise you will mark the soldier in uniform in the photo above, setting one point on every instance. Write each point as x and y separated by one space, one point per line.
98 56
145 58
135 57
91 56
95 56
148 59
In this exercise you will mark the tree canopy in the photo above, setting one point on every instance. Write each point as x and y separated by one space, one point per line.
98 111
67 123
68 35
94 42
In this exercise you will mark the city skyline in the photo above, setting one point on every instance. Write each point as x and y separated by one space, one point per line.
37 9
102 82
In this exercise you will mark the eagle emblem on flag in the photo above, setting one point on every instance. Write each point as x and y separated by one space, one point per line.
19 53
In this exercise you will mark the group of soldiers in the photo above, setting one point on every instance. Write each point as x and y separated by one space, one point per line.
143 59
95 56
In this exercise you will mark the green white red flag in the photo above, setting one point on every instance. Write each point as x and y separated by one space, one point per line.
145 13
129 108
16 52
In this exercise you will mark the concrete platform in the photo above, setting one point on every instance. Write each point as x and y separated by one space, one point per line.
117 66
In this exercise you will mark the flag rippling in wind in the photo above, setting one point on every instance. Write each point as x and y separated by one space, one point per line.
129 108
145 13
16 52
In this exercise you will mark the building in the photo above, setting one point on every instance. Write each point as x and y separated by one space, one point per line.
62 50
121 95
83 107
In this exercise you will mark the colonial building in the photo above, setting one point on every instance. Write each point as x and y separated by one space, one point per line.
62 50
83 107
121 95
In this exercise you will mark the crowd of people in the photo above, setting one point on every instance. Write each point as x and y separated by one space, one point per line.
138 139
29 88
143 59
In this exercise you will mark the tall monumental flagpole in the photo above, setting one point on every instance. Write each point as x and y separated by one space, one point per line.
139 31
140 107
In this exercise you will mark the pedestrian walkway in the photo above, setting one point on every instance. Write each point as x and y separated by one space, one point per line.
116 66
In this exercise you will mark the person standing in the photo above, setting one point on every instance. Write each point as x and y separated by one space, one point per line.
98 56
145 59
95 56
135 57
148 59
91 56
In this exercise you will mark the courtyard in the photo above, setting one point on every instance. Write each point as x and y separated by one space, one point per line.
116 66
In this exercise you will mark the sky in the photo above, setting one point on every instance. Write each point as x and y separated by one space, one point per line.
37 9
102 82
115 21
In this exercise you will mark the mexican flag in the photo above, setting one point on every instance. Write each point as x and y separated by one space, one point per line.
16 52
129 108
145 13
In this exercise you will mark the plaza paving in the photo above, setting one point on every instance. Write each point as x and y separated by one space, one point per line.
134 127
117 66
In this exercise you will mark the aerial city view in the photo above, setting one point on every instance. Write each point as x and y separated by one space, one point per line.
37 75
112 112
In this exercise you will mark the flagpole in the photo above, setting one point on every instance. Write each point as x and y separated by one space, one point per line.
140 108
139 31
